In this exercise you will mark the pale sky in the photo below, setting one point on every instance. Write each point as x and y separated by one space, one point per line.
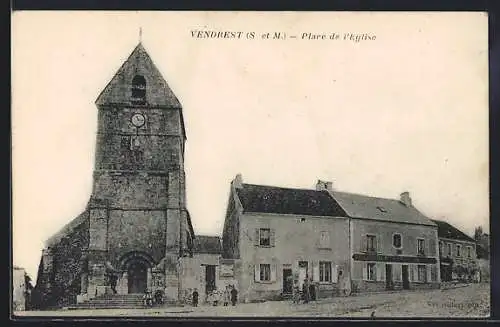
405 112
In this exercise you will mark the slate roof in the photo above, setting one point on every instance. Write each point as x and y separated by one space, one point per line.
368 207
207 244
447 230
270 199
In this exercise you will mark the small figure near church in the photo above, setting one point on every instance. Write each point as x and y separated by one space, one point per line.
148 299
215 297
159 297
312 290
195 297
305 290
226 296
234 295
113 280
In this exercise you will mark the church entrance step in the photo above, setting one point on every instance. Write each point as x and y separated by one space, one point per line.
111 301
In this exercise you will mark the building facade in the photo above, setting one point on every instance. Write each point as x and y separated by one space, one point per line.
278 235
342 242
136 226
392 245
20 289
458 254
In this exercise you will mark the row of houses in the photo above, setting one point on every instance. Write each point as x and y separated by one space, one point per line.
274 237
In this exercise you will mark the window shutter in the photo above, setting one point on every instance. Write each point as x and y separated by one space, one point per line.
432 247
365 271
433 273
428 269
257 237
257 273
379 243
271 237
380 271
364 243
334 274
411 273
397 271
273 272
315 271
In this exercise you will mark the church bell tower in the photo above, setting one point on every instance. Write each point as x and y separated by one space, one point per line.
137 212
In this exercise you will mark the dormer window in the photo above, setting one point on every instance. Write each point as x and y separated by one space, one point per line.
139 89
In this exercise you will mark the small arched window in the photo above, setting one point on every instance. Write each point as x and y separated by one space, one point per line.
139 89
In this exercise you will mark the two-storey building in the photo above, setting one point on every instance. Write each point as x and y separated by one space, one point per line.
458 253
392 244
343 242
278 235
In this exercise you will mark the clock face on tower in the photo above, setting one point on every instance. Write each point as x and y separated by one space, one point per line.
138 120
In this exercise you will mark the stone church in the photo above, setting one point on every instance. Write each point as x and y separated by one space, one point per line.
136 225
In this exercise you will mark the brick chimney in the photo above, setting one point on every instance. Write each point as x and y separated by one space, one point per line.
405 199
323 185
238 181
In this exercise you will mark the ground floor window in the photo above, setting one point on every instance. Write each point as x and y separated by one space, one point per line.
422 273
325 271
265 272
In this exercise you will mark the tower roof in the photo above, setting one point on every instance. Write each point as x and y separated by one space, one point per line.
118 90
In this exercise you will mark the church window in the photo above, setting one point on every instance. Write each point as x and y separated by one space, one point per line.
139 89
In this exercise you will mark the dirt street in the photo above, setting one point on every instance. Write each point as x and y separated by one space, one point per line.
469 301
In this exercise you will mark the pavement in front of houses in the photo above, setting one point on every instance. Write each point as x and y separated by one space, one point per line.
467 301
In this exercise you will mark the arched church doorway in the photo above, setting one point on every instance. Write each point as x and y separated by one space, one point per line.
137 276
137 264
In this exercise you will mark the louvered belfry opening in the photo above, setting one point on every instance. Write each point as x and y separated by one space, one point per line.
139 89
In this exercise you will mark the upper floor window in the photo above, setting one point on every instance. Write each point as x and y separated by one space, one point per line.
371 243
420 246
324 240
469 252
396 241
459 248
265 237
139 89
449 249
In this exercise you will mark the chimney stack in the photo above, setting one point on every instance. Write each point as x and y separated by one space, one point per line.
238 181
406 199
322 186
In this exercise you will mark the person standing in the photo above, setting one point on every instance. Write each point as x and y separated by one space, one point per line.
113 280
195 297
312 290
216 297
226 296
148 299
234 295
305 289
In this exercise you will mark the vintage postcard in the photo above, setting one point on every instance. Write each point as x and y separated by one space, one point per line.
250 164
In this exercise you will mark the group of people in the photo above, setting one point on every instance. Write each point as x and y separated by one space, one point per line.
150 300
229 295
307 293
